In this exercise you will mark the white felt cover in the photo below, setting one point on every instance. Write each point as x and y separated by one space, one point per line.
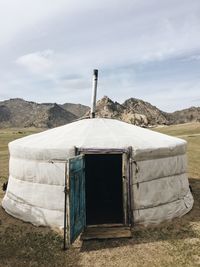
159 183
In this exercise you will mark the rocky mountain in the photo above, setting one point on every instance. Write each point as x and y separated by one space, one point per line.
109 109
152 114
20 113
184 116
76 109
133 111
139 112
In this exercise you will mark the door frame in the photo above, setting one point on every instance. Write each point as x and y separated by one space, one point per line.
126 175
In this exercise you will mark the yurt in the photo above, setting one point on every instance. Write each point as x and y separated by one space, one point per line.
97 171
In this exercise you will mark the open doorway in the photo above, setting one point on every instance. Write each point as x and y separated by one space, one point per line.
104 189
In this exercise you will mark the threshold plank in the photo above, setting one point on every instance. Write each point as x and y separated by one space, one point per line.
106 232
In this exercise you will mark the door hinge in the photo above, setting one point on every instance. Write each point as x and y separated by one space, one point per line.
66 190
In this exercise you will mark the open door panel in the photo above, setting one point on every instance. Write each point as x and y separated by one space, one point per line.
76 201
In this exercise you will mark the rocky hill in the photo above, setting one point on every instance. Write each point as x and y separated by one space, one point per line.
20 113
109 109
133 111
76 109
184 116
152 114
139 112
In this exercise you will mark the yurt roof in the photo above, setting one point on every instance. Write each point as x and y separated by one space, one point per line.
95 133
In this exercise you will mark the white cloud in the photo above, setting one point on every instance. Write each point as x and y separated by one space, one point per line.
37 62
191 58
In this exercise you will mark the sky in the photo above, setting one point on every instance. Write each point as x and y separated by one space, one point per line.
147 49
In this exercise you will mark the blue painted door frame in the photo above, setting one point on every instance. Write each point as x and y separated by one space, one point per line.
77 210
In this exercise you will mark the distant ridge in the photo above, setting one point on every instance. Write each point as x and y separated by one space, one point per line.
20 113
185 115
17 112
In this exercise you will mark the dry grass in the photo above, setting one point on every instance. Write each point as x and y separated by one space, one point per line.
6 136
172 244
191 133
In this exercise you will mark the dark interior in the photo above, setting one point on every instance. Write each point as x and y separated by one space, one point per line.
103 180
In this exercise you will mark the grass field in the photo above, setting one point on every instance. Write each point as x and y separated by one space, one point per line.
175 243
6 136
191 133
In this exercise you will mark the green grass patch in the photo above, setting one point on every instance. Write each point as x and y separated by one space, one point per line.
191 133
6 136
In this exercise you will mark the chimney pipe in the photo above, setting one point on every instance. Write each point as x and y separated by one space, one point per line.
94 93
